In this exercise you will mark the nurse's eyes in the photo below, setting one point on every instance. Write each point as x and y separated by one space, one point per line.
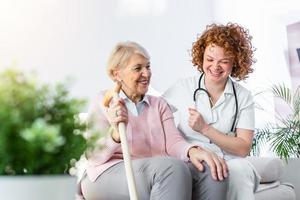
223 62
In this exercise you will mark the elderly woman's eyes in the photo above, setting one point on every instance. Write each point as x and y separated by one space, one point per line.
137 68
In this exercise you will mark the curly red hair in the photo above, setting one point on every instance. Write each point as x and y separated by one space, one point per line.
236 42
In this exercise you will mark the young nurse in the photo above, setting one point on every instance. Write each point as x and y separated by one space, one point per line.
216 112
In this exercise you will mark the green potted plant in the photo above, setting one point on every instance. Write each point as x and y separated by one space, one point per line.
40 133
284 135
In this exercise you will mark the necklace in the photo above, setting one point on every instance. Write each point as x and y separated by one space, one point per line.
212 103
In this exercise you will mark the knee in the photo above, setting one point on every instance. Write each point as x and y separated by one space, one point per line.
238 166
239 169
222 185
178 165
167 166
171 179
205 187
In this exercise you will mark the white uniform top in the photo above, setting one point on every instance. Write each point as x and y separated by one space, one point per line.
220 116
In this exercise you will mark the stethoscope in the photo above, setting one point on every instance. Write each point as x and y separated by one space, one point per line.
235 97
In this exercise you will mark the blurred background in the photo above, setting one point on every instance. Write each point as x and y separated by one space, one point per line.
73 38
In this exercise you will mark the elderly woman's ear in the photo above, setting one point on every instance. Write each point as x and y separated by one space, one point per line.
116 76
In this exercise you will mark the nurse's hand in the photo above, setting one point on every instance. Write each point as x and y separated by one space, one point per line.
217 165
196 121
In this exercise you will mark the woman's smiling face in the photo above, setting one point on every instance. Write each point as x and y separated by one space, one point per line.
216 65
135 77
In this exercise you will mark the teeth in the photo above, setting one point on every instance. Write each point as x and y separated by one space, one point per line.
144 82
215 73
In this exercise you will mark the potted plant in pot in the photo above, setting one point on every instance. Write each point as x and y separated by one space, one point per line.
40 133
284 135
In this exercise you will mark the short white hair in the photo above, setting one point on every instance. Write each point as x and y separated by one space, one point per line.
121 54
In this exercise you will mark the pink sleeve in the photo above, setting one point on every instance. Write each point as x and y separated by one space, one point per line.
176 145
98 124
106 152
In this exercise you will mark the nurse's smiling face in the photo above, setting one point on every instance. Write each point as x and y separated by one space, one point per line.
216 65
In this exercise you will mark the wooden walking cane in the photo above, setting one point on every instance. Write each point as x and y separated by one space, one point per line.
126 155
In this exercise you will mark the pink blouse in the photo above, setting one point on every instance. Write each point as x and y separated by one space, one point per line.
152 133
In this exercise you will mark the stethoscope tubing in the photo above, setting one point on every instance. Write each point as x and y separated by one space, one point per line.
235 97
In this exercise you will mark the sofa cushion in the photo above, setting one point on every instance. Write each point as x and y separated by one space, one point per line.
267 186
281 192
270 169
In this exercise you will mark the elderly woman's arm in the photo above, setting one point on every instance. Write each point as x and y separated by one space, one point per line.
99 127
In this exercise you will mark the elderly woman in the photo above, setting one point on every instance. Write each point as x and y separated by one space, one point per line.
157 148
217 113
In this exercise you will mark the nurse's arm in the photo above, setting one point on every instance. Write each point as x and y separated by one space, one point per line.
239 145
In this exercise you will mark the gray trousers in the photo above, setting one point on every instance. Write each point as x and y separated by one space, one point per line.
205 187
161 178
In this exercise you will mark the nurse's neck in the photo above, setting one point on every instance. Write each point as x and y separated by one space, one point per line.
213 88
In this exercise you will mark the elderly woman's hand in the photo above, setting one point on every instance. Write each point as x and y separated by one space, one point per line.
217 165
117 112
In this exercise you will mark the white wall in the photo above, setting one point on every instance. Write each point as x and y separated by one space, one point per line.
267 22
74 37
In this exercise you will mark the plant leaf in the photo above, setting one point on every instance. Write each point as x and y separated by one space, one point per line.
282 92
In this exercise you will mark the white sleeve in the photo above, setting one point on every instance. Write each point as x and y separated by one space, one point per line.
246 113
171 95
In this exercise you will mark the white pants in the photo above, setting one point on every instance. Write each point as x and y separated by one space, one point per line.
243 179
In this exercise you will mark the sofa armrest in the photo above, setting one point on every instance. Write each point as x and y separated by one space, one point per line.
270 169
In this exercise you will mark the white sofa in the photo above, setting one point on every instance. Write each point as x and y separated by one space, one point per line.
271 186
